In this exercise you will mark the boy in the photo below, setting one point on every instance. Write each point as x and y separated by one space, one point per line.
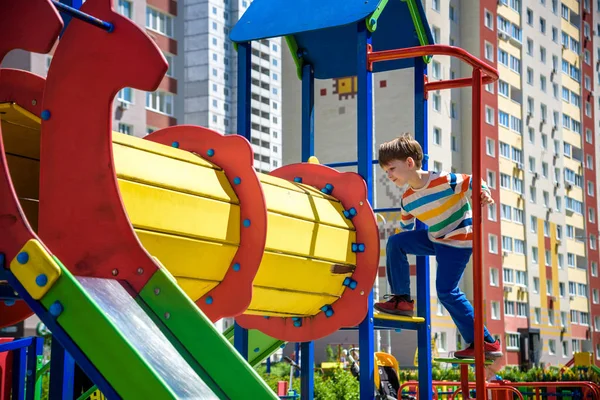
439 200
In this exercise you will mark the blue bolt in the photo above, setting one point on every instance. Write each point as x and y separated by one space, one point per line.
266 317
175 144
346 214
352 211
282 346
45 115
9 303
210 152
256 350
236 267
246 223
324 190
298 179
297 323
361 247
209 300
56 309
373 21
324 308
353 285
41 280
398 330
329 186
347 281
354 247
23 258
237 180
329 313
295 318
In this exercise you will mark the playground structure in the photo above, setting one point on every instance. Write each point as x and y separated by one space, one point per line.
151 240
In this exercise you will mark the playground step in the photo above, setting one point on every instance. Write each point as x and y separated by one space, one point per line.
468 361
388 321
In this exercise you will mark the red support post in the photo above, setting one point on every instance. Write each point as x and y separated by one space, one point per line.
464 381
477 237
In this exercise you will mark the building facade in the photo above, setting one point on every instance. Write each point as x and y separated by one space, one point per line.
540 256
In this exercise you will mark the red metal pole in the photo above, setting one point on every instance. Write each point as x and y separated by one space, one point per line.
464 381
477 237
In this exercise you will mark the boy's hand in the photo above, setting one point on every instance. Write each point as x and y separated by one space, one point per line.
486 199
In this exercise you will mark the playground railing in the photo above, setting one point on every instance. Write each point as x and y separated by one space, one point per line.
482 74
26 360
589 390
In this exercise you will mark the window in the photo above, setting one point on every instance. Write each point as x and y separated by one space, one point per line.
125 8
437 136
160 101
512 341
492 212
495 310
489 115
490 145
493 244
437 102
489 51
493 276
125 128
489 20
126 95
159 22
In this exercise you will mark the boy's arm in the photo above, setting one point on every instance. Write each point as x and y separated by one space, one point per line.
463 183
407 221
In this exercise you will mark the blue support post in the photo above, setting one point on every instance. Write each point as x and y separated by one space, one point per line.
36 349
308 112
307 376
244 53
365 169
19 373
62 373
240 340
423 272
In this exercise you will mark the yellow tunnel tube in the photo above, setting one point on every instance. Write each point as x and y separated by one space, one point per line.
187 215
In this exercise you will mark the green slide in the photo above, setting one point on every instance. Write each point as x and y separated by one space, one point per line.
260 346
152 346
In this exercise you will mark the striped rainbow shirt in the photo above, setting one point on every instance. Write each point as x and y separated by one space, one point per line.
443 204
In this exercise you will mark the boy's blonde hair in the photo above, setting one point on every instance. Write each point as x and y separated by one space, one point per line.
400 149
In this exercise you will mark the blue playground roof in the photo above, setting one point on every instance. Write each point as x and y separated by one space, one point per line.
327 30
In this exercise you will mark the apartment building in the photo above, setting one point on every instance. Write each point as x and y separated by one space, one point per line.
210 78
540 238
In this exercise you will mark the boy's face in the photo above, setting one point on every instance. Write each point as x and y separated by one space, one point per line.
399 171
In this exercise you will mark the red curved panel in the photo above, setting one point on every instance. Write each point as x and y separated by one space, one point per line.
232 153
16 20
351 308
27 90
22 87
81 211
10 315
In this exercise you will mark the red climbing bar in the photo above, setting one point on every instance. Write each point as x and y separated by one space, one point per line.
490 74
450 84
477 236
482 75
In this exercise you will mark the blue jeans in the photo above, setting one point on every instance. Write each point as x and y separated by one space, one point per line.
451 261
